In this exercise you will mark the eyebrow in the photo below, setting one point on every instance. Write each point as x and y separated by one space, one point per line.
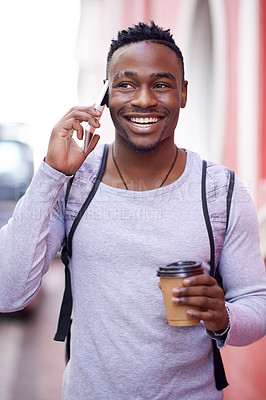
167 75
163 75
124 73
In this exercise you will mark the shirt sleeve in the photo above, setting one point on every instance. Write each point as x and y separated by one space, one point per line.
243 272
31 239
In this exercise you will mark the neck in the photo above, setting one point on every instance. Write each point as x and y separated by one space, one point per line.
143 160
143 170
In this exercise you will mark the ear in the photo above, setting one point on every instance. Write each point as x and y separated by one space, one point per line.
184 94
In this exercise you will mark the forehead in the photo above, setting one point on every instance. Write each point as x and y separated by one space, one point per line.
144 57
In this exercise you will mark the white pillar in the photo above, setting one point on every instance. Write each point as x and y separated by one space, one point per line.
247 112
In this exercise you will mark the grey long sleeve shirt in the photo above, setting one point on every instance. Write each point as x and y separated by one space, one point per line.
122 347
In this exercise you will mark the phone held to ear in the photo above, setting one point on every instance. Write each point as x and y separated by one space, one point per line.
89 130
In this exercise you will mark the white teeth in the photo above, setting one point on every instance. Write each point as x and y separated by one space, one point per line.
147 120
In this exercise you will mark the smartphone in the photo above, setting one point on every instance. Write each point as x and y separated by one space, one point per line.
89 130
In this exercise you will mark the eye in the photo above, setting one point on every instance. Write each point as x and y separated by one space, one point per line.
125 85
161 85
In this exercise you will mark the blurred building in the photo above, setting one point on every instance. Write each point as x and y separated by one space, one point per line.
224 48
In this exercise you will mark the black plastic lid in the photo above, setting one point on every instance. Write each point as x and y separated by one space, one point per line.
180 269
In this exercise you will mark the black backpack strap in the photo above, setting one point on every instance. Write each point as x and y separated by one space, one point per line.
87 201
218 276
68 189
64 322
219 372
214 264
229 195
207 217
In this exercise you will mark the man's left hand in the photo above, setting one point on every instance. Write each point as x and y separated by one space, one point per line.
203 291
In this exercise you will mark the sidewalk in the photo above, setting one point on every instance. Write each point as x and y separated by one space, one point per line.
32 364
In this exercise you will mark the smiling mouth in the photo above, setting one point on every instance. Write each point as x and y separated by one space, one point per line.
144 122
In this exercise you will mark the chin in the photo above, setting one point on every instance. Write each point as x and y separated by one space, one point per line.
144 144
143 148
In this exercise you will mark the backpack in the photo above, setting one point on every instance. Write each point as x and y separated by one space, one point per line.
64 321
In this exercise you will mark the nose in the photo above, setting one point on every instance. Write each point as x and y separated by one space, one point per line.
144 98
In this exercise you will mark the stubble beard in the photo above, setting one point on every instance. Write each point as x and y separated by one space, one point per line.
142 148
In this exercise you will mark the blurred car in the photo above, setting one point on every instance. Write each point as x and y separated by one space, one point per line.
16 171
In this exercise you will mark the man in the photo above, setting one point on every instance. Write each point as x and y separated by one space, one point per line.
146 213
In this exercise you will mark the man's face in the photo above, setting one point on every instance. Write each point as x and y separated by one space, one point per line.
145 94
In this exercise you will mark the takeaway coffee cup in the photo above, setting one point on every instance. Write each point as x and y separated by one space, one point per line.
172 276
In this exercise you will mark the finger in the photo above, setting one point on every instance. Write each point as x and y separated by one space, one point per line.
80 133
90 135
203 279
66 128
93 143
208 315
214 320
88 114
203 303
79 129
89 130
214 291
83 109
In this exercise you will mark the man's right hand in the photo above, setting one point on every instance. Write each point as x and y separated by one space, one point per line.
64 153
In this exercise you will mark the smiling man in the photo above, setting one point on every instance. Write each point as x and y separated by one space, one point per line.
144 104
146 213
145 101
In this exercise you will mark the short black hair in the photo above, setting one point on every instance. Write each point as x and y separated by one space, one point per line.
141 33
